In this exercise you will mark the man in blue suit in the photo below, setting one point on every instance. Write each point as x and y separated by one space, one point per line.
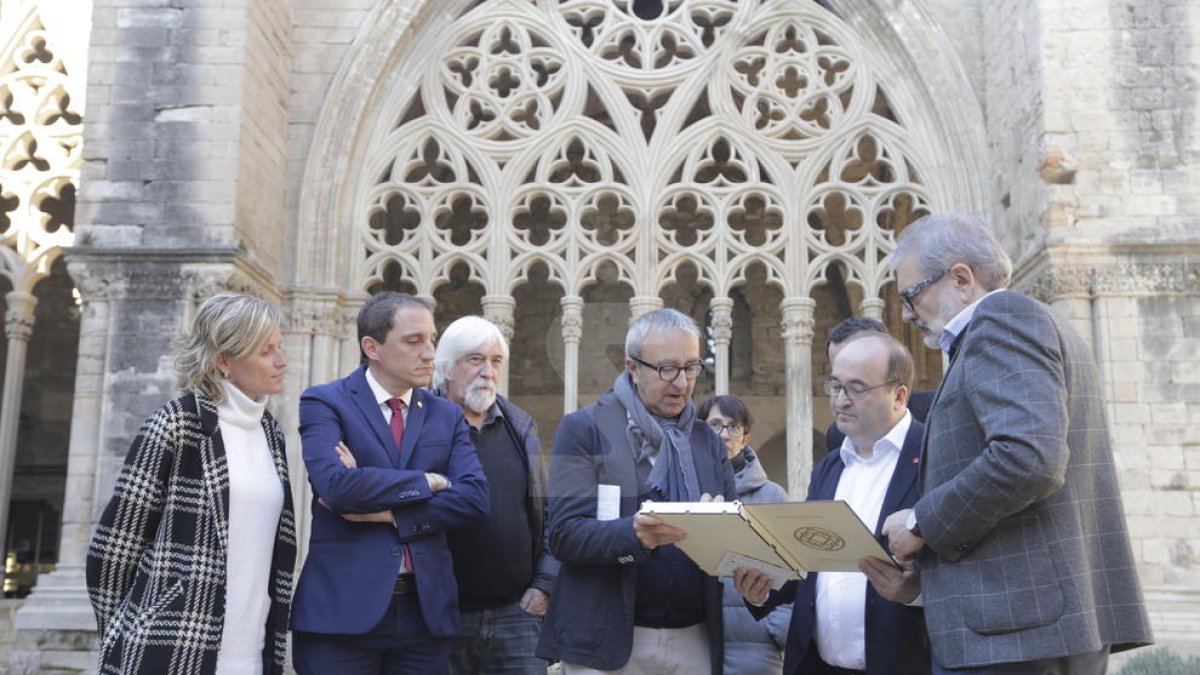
392 468
627 599
840 623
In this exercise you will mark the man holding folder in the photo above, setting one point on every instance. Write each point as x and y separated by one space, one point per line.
840 624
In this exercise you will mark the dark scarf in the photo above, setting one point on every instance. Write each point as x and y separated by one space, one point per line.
667 441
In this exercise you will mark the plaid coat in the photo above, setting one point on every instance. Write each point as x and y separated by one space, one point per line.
156 566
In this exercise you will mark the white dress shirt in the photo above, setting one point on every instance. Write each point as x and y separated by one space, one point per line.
382 397
842 596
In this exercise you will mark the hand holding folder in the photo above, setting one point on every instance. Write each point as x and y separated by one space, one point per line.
786 541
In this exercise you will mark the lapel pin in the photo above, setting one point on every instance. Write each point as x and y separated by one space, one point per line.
916 460
418 404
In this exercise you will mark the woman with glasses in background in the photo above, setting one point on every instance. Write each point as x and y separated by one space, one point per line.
751 647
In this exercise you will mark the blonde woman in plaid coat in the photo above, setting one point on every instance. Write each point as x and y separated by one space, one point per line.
190 567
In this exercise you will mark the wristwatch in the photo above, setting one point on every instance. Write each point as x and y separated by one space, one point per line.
911 523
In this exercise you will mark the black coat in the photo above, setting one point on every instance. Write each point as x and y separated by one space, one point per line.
156 565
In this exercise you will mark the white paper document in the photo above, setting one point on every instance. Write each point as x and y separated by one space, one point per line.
731 561
608 502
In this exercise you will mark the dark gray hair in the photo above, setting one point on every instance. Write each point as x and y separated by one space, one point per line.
466 335
376 318
900 366
669 321
941 241
227 323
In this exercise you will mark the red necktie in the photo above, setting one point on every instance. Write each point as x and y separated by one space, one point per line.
397 425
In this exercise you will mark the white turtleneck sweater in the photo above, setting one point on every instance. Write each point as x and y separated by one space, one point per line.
255 504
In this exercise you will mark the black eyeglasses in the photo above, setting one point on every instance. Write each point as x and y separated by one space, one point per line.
909 295
668 373
735 430
855 391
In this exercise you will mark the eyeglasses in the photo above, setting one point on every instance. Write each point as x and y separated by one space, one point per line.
855 391
668 373
909 295
735 430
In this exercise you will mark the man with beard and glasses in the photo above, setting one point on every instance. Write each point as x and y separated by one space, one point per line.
504 569
627 599
1019 534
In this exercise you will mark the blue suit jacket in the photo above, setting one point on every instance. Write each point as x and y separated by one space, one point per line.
347 581
590 620
895 633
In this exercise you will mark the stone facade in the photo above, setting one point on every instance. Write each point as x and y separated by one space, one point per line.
314 151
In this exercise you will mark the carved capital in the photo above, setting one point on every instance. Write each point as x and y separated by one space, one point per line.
722 320
643 304
1059 280
19 318
500 309
572 319
314 314
798 321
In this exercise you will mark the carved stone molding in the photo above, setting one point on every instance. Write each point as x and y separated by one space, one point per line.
1147 278
314 313
1073 280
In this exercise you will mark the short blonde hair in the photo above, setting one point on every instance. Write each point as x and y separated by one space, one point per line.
227 323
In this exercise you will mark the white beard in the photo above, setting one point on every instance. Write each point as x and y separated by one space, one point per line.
480 396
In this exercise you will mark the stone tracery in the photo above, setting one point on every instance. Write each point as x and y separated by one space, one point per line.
548 132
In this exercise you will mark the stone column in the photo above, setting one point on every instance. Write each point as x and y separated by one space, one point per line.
500 310
312 326
59 613
18 327
722 319
643 304
572 332
797 344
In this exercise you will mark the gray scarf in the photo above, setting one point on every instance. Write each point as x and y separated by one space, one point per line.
667 440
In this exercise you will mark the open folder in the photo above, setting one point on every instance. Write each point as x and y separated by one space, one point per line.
785 540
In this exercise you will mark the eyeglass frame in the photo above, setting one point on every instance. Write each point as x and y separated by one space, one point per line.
842 389
909 295
717 428
681 369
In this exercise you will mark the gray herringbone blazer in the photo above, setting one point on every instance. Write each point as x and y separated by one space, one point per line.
1028 554
156 565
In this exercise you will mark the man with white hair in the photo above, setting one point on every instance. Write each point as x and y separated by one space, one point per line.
504 570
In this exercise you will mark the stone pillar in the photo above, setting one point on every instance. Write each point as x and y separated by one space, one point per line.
312 325
797 344
500 310
18 327
58 614
722 318
572 332
643 304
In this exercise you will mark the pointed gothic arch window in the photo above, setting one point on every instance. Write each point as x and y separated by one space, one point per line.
682 150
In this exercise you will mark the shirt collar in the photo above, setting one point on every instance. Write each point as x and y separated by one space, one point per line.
891 442
954 327
382 396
